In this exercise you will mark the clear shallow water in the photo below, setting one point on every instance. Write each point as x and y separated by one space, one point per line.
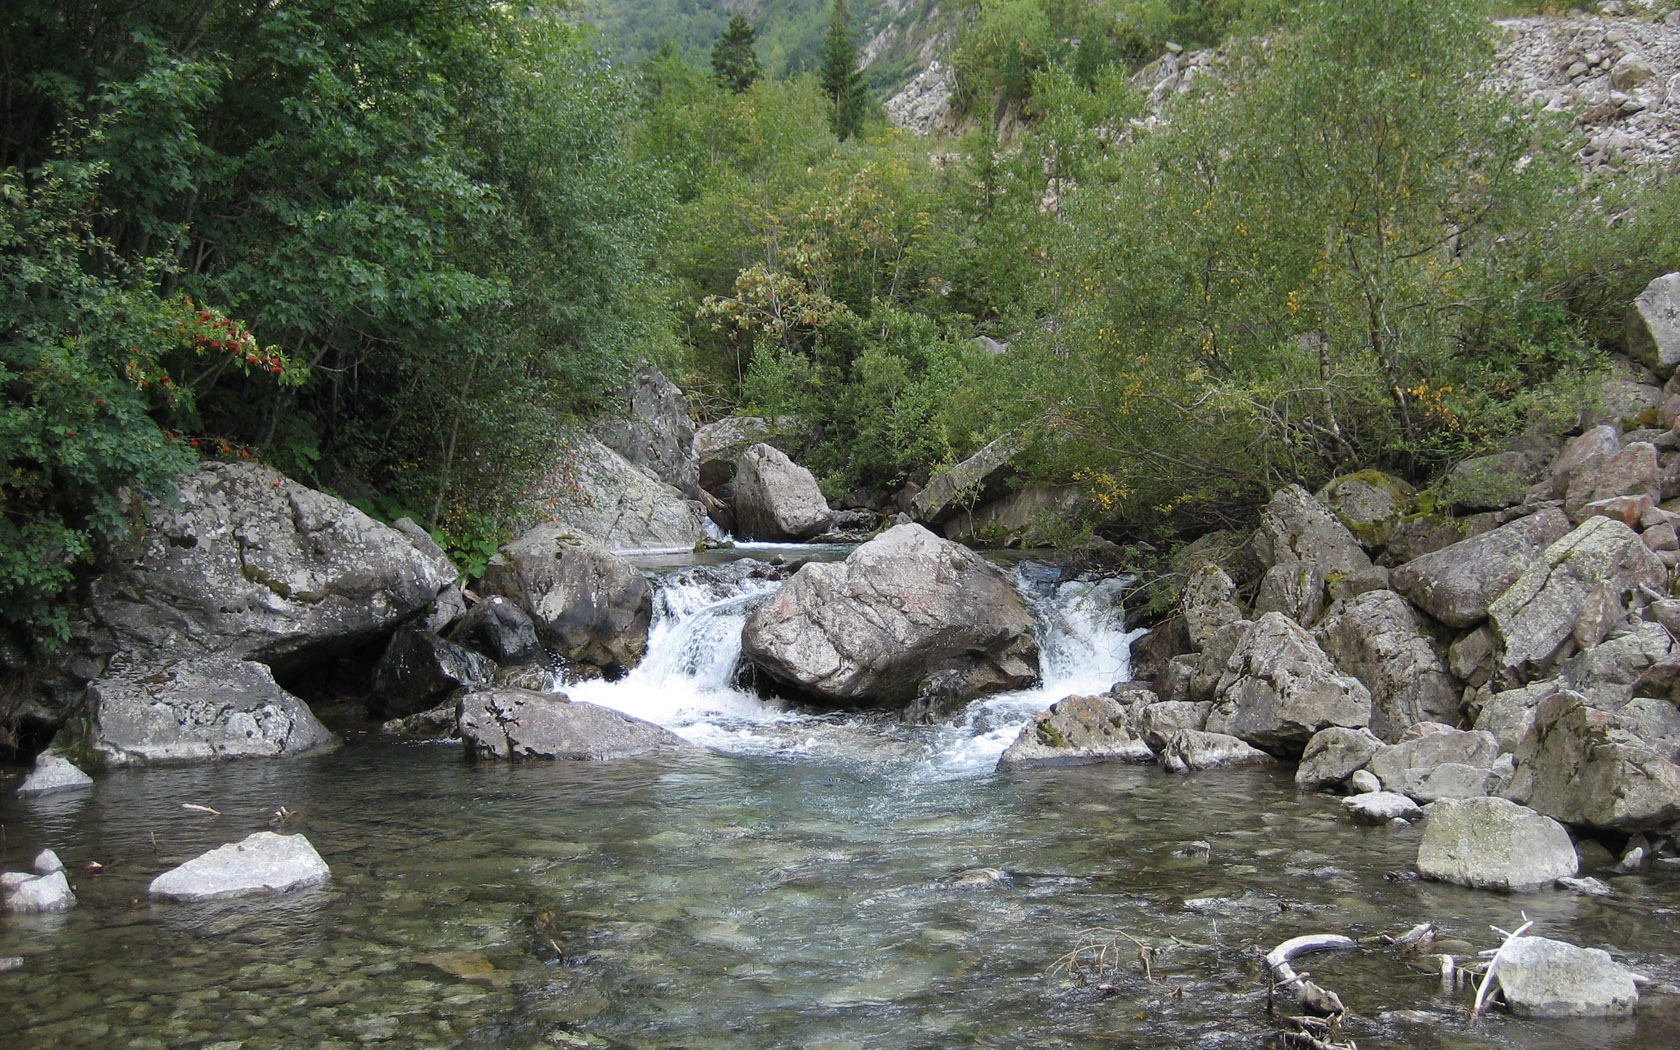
816 882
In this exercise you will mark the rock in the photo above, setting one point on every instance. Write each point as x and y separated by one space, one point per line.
1189 751
418 669
586 603
1278 688
1363 782
1631 472
1493 843
263 863
1079 730
1296 527
655 431
1158 721
1470 658
1494 481
1380 807
904 615
53 773
1509 715
1538 612
1606 673
597 494
1018 519
516 724
1629 72
499 629
1587 887
47 894
1457 780
924 105
1208 603
1370 503
1457 583
1587 452
1406 766
1295 589
776 499
1334 754
202 709
1583 766
250 565
1376 638
1540 977
46 862
1652 326
718 446
975 482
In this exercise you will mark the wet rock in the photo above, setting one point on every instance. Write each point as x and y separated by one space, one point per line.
53 773
263 863
1584 766
204 709
586 603
655 431
975 482
1652 325
776 499
36 894
1278 688
904 613
1077 731
1457 583
1380 807
418 669
1493 843
1376 638
1187 751
516 724
1157 722
1540 977
1334 754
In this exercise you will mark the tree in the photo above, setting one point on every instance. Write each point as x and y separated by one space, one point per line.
839 76
735 63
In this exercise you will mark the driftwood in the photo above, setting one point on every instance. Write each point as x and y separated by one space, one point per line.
1486 988
1318 1000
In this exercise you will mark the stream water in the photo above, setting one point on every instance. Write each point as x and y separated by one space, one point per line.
812 882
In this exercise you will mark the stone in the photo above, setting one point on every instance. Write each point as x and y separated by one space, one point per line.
1607 673
202 709
53 773
1278 688
1370 503
1629 72
1363 782
47 894
904 616
250 565
418 669
655 431
1652 326
1584 766
1541 977
1208 602
589 605
776 499
1493 843
975 482
1493 481
1335 754
1376 638
501 630
1585 452
718 446
1188 750
1509 715
1631 472
1457 583
1470 658
1158 721
1295 589
46 862
1537 613
1079 730
594 493
518 725
1405 766
1019 519
265 863
1296 527
1380 807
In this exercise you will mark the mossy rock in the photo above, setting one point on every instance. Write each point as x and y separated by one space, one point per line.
1369 503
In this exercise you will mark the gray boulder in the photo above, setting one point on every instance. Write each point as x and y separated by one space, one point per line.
1334 754
1370 503
1509 714
53 773
1632 471
1189 751
264 863
22 893
1457 583
905 615
1538 612
517 724
595 493
718 446
1295 589
975 482
1540 977
202 709
776 499
1208 602
418 669
1582 454
253 566
1585 766
1296 527
586 603
1652 326
1158 721
1493 843
1380 807
1376 638
1607 673
655 431
1079 730
1279 688
1407 766
499 629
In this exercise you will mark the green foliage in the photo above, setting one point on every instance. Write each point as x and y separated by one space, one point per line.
735 62
839 75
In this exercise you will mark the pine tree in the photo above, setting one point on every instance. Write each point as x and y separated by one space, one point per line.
735 63
839 76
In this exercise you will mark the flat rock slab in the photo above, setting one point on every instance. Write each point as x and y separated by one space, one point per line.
518 724
1380 807
1540 977
263 863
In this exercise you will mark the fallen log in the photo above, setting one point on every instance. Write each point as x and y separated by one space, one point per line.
1311 996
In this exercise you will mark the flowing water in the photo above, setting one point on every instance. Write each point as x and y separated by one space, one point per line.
812 882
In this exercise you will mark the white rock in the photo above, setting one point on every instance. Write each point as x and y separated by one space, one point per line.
47 862
40 895
261 863
1541 977
53 773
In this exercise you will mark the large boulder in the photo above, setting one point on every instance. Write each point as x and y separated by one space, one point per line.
1537 614
265 863
1376 638
1278 688
1208 602
1407 766
418 669
251 565
1077 731
655 431
776 499
1540 977
1191 751
976 481
905 615
1457 583
1652 326
517 724
499 629
596 493
201 709
1018 519
1493 843
718 446
52 774
588 604
1631 471
1295 527
1584 766
1334 754
1370 503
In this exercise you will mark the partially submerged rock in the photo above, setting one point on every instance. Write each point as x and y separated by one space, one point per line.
517 724
1190 750
1077 731
263 863
1541 977
1380 807
1493 843
53 773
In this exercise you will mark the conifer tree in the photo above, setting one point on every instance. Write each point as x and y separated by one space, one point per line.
735 63
839 76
